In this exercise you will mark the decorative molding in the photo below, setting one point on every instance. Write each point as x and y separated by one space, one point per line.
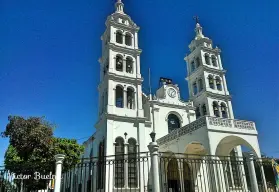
125 118
187 105
232 123
124 50
214 70
218 96
124 79
219 122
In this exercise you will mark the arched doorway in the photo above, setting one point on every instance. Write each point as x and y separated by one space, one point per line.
187 176
234 151
173 178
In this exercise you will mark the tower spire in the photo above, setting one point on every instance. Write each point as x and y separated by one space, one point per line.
198 28
119 6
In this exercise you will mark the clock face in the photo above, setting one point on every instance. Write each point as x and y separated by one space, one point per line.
171 92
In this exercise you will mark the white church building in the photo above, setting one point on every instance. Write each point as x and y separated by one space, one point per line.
189 134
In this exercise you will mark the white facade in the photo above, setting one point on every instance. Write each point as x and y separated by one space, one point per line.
204 125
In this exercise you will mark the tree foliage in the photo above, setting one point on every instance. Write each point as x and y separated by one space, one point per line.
33 147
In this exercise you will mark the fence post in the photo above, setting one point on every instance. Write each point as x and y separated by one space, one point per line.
153 149
252 173
58 171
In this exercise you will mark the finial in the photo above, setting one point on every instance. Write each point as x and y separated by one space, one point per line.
197 19
152 135
198 28
119 6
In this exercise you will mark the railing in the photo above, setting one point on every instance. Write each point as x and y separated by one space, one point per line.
177 173
201 122
231 123
208 121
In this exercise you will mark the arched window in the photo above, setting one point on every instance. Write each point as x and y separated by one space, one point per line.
101 166
197 62
200 85
198 113
128 39
173 122
193 67
129 65
204 111
119 163
214 61
132 163
206 58
130 98
119 97
119 63
224 110
211 82
119 37
216 109
195 88
218 83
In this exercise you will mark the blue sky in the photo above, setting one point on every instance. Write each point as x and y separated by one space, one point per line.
49 51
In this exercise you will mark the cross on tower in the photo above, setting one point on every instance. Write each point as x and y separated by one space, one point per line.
197 19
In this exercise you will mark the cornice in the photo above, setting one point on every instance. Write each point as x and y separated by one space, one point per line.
123 26
123 118
216 50
203 68
218 96
124 79
214 95
111 20
119 78
124 49
187 106
219 71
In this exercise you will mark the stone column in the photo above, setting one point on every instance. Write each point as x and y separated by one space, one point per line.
125 99
252 173
154 148
124 65
58 171
136 40
135 97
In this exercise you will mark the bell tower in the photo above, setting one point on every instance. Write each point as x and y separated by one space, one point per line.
206 78
120 88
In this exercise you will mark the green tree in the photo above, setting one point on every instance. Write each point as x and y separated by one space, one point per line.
33 147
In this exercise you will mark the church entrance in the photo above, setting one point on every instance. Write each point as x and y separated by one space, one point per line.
173 176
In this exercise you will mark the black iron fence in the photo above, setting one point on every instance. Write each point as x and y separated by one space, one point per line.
177 173
117 173
191 173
